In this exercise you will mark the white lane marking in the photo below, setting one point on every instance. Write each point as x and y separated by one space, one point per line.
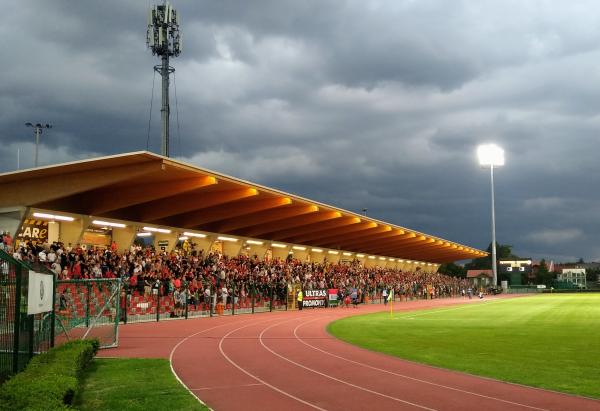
334 378
248 373
173 352
226 387
406 376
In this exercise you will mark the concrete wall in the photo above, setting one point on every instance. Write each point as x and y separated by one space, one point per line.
280 253
10 219
171 238
231 248
201 244
255 249
317 257
302 255
70 232
53 231
123 237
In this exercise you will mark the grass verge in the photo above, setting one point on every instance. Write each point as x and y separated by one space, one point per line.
544 341
133 384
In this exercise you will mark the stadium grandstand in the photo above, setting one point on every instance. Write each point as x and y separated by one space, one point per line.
186 241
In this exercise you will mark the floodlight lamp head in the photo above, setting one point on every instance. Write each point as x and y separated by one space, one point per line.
29 124
490 155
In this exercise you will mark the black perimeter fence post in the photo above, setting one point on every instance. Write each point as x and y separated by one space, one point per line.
127 297
87 304
187 291
53 314
209 302
158 304
212 300
17 324
30 326
271 303
233 298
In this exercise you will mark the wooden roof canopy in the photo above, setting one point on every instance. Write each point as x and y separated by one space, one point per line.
148 188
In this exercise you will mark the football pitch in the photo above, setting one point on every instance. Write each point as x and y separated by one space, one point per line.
547 341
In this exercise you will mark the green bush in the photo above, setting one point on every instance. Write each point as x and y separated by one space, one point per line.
50 380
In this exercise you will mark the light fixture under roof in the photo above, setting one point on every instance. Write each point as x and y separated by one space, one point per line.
53 217
299 248
316 250
277 245
183 238
333 252
198 235
108 223
255 242
223 238
360 255
144 234
158 230
371 257
347 254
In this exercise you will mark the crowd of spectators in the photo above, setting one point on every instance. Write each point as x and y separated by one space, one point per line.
211 277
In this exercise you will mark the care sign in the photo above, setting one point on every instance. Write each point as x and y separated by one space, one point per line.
33 230
39 299
314 298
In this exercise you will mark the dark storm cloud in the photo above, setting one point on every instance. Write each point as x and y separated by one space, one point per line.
359 104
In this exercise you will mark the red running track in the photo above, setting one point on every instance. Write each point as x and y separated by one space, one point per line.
287 361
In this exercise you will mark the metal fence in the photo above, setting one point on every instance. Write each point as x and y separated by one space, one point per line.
88 309
157 304
21 335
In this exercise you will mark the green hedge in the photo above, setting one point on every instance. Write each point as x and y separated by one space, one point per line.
50 380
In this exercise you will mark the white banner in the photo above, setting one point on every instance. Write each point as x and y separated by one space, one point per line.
39 299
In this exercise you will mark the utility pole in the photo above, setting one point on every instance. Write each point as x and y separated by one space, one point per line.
164 40
37 129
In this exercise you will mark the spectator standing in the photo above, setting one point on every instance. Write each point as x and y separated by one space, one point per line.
300 298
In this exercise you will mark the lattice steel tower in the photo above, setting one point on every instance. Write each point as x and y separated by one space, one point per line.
164 40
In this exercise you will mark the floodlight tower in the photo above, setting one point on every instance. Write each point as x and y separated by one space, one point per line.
164 40
491 155
37 129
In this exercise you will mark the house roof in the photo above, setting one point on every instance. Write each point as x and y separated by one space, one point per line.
477 273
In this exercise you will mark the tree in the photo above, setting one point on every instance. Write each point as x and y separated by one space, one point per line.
543 276
503 251
453 270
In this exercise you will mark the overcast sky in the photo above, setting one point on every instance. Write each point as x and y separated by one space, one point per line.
375 104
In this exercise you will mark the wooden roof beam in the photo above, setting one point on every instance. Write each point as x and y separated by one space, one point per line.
366 240
109 199
436 257
315 237
213 215
396 243
190 202
257 219
265 229
342 221
35 191
336 240
387 248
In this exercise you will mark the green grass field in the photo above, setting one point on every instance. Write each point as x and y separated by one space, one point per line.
548 341
133 384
